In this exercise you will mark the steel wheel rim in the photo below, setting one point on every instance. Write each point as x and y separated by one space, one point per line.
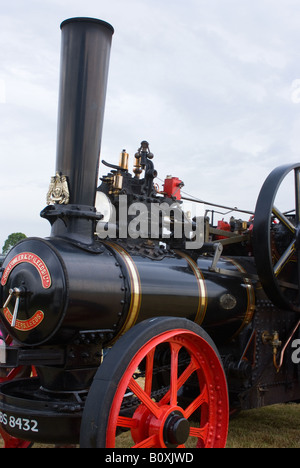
152 420
270 266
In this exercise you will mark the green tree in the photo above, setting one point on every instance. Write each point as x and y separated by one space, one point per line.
12 240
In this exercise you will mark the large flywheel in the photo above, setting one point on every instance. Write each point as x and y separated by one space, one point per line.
276 236
126 407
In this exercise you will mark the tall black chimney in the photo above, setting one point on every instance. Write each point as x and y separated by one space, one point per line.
85 51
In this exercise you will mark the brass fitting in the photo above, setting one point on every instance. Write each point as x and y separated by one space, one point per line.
273 340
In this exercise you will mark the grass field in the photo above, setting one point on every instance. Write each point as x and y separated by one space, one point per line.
275 426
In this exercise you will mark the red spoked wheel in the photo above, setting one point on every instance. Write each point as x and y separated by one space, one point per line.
137 402
6 375
8 440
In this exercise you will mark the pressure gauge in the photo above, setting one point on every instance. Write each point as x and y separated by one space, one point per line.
104 206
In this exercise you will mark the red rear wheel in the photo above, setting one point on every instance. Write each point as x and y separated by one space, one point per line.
6 375
8 440
182 403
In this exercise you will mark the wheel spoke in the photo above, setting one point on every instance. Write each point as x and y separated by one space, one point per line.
13 374
202 398
281 217
175 348
287 255
147 443
181 381
200 432
126 422
149 371
144 398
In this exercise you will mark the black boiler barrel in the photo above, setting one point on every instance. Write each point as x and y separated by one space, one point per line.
85 52
67 290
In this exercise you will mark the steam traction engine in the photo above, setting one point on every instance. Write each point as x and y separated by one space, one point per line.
132 321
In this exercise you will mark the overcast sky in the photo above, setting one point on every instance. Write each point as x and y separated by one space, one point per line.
213 85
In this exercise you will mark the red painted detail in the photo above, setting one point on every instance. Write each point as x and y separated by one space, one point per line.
223 226
172 187
10 441
150 420
33 259
25 325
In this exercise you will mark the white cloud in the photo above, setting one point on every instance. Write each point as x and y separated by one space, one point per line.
295 91
2 91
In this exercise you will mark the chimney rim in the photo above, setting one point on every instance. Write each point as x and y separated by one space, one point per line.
87 20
